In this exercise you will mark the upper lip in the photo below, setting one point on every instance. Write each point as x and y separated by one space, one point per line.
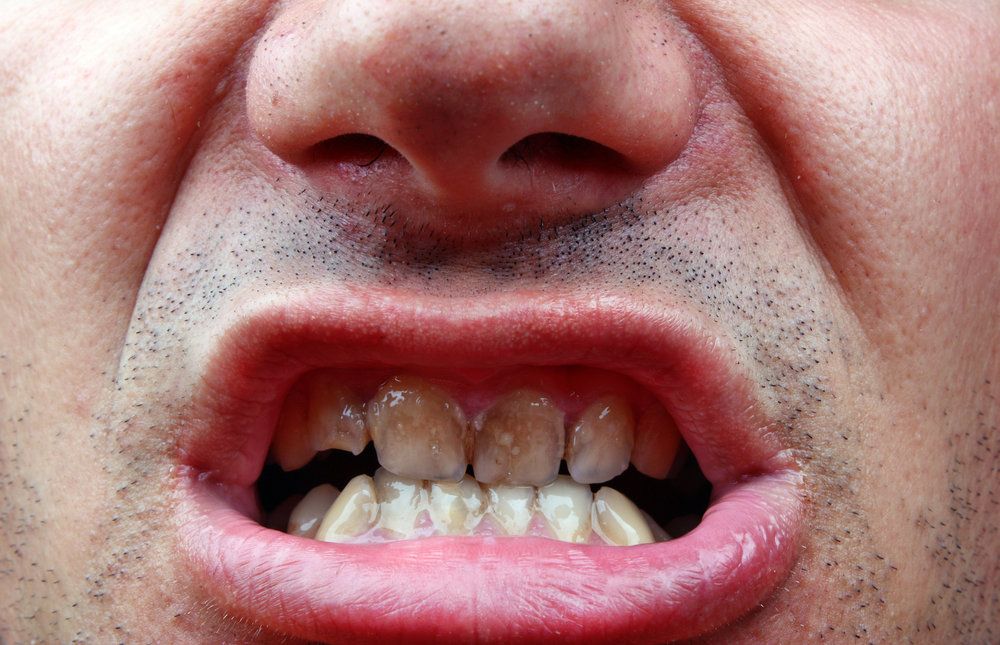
266 344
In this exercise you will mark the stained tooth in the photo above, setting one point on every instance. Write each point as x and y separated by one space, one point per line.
308 513
418 430
292 445
399 500
512 506
457 507
519 441
618 520
353 513
336 417
656 442
565 504
600 443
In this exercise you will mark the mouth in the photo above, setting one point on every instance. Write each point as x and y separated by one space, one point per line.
396 468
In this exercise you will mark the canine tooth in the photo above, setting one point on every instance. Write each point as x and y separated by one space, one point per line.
292 445
600 444
457 507
353 513
418 430
520 441
399 501
336 417
309 512
565 504
618 520
512 506
656 442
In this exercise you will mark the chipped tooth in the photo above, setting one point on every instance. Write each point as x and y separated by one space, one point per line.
308 513
353 513
512 507
599 446
292 446
656 442
336 417
399 500
618 520
565 504
457 507
418 430
520 441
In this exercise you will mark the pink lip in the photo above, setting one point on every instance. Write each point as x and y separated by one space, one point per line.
483 589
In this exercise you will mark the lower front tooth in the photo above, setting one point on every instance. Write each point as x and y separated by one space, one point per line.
565 504
399 500
354 512
308 513
457 507
618 520
512 506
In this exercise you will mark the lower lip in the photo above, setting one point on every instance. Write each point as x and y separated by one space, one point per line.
487 590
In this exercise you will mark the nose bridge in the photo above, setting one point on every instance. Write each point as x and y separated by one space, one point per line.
453 85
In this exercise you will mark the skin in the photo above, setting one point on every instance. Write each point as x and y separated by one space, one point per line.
842 236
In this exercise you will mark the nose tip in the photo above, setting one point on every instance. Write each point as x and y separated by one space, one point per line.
479 109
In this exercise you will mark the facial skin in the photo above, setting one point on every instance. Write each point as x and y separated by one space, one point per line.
815 182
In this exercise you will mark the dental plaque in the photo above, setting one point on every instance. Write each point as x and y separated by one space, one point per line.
574 454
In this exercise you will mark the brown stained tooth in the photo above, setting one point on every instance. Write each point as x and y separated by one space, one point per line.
336 417
618 520
292 446
418 430
519 441
308 513
352 514
656 442
599 445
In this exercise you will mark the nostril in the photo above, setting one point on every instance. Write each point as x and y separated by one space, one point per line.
566 152
355 149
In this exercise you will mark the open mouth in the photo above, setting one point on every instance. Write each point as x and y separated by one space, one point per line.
364 469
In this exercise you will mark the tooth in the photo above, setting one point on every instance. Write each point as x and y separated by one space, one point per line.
456 508
399 500
618 520
336 417
512 506
353 513
565 504
656 442
418 430
292 445
519 441
308 513
600 444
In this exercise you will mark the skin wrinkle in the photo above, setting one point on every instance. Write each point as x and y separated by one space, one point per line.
742 264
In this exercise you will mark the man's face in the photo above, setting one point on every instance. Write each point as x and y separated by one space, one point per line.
498 234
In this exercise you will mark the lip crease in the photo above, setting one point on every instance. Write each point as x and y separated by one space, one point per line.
474 589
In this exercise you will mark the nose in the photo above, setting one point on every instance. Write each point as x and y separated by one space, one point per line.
484 112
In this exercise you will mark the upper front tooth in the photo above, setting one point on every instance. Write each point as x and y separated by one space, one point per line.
399 501
520 440
354 512
600 444
457 507
336 417
565 504
618 520
418 430
308 513
512 506
293 446
656 442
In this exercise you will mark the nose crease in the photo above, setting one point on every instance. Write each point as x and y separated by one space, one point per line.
453 88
